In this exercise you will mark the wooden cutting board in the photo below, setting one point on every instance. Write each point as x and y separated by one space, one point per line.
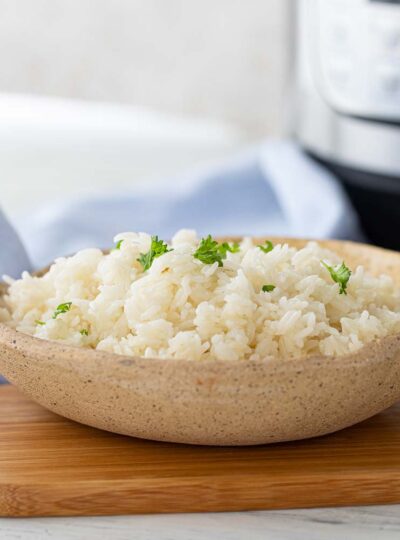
50 466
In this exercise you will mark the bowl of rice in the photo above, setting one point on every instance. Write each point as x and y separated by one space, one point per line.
208 341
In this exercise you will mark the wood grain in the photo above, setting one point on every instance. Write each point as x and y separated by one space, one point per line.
50 466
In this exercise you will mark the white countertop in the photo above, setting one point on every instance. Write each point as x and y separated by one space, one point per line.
53 148
357 523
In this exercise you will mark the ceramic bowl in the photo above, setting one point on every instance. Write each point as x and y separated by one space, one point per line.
213 402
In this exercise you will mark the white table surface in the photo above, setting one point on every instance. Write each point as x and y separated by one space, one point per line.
361 523
53 148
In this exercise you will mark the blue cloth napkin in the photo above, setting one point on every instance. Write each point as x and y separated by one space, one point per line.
13 256
273 189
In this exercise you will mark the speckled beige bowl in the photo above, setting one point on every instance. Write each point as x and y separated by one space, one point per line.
213 402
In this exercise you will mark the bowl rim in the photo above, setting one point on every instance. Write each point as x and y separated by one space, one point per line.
18 341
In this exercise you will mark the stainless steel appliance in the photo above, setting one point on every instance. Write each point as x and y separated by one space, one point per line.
347 104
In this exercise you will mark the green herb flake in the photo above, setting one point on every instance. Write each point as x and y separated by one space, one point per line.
40 323
118 244
225 247
268 288
62 308
340 275
84 332
209 251
267 246
157 248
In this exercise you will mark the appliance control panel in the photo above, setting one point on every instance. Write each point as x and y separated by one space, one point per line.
355 52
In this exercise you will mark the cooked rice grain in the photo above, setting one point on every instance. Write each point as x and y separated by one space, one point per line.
182 308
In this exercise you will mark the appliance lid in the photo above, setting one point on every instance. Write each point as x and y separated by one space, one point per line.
347 124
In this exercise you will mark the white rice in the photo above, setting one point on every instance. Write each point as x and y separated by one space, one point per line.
183 308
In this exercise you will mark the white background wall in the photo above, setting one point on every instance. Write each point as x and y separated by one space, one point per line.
225 59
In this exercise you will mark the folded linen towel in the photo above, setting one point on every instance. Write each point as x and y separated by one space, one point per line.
274 189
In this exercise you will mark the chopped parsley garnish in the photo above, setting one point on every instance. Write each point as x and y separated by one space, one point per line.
41 323
84 332
268 288
118 244
209 251
62 308
225 247
157 248
340 275
267 246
